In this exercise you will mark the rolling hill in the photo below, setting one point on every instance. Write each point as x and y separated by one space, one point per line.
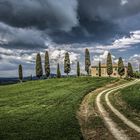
44 109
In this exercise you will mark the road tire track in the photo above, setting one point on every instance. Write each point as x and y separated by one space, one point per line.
116 131
121 116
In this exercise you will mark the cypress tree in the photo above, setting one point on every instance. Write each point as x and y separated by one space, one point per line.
67 67
39 70
87 61
78 69
20 73
121 69
31 77
47 64
109 65
99 69
58 71
130 70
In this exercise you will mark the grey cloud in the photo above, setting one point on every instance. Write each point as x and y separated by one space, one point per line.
39 13
108 9
68 21
100 21
31 26
21 37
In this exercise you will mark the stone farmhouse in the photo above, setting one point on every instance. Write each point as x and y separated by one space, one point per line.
94 71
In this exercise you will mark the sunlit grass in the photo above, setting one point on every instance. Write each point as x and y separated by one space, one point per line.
44 110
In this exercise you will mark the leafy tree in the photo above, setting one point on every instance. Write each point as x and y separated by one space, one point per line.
67 67
39 70
99 69
109 64
78 69
20 73
58 71
130 70
121 69
87 61
47 64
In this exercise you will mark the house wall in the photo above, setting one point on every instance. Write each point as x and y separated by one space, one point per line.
95 72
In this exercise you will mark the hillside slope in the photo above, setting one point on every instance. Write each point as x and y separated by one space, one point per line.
44 109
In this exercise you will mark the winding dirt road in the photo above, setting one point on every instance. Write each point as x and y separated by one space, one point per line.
116 131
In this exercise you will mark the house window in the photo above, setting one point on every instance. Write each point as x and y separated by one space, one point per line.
97 69
96 73
115 69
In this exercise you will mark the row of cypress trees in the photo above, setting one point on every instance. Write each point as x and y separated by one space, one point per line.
121 67
39 69
67 67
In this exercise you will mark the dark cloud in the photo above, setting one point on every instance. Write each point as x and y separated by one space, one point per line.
31 26
11 36
108 9
64 14
66 21
101 21
39 13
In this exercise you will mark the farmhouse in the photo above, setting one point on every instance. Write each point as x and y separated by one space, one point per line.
94 71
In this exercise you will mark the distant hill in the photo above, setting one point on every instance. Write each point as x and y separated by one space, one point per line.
8 80
13 80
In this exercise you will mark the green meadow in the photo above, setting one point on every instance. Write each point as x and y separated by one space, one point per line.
44 109
131 95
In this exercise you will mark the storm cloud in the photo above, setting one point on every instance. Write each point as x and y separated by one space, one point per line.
31 26
64 14
66 20
39 13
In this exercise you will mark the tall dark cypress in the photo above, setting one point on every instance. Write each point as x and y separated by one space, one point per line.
130 70
121 69
67 67
99 69
109 65
31 77
47 64
87 61
20 73
39 70
58 71
78 69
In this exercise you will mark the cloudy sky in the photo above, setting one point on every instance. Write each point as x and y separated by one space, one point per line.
31 26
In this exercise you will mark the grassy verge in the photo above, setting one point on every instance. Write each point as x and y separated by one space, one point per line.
127 101
131 96
130 132
41 110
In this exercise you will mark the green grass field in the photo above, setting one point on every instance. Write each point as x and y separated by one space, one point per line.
44 110
132 96
127 101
